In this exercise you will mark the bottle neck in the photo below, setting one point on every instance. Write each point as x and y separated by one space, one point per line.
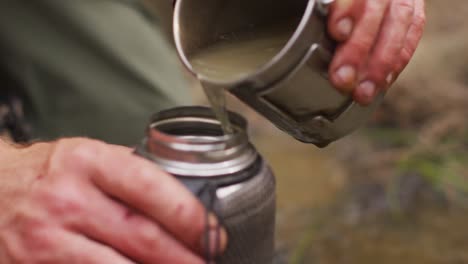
189 142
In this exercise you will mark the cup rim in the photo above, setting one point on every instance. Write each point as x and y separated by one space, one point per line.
283 62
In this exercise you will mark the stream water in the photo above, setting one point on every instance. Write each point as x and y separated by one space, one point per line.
316 220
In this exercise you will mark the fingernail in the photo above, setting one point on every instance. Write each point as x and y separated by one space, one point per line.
345 27
346 76
389 78
212 221
217 237
366 92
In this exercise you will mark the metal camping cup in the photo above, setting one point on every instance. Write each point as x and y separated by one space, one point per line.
291 89
224 171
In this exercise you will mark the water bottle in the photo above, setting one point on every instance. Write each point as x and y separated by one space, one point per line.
224 171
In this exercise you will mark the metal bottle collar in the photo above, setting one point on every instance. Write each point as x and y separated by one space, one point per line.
189 142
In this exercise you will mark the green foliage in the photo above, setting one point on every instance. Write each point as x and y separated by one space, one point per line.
441 170
390 137
444 169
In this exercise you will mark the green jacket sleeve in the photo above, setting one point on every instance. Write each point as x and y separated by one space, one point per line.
95 68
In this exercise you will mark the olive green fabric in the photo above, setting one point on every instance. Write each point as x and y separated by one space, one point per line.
95 68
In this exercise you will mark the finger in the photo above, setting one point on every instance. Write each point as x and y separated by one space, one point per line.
142 185
413 37
385 55
83 250
60 246
136 182
343 17
354 53
131 233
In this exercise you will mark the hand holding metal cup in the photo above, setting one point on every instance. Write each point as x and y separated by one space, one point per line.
291 88
376 40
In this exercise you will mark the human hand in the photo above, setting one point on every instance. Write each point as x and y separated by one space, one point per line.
83 201
377 39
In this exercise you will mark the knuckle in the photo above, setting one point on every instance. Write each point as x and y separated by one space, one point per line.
73 155
361 46
152 243
14 250
404 60
28 241
378 77
374 6
375 9
143 177
36 238
39 245
145 173
419 19
404 9
151 238
188 210
62 202
382 65
406 54
385 61
147 235
191 218
83 152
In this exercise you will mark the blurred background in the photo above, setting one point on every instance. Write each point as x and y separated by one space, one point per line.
395 191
